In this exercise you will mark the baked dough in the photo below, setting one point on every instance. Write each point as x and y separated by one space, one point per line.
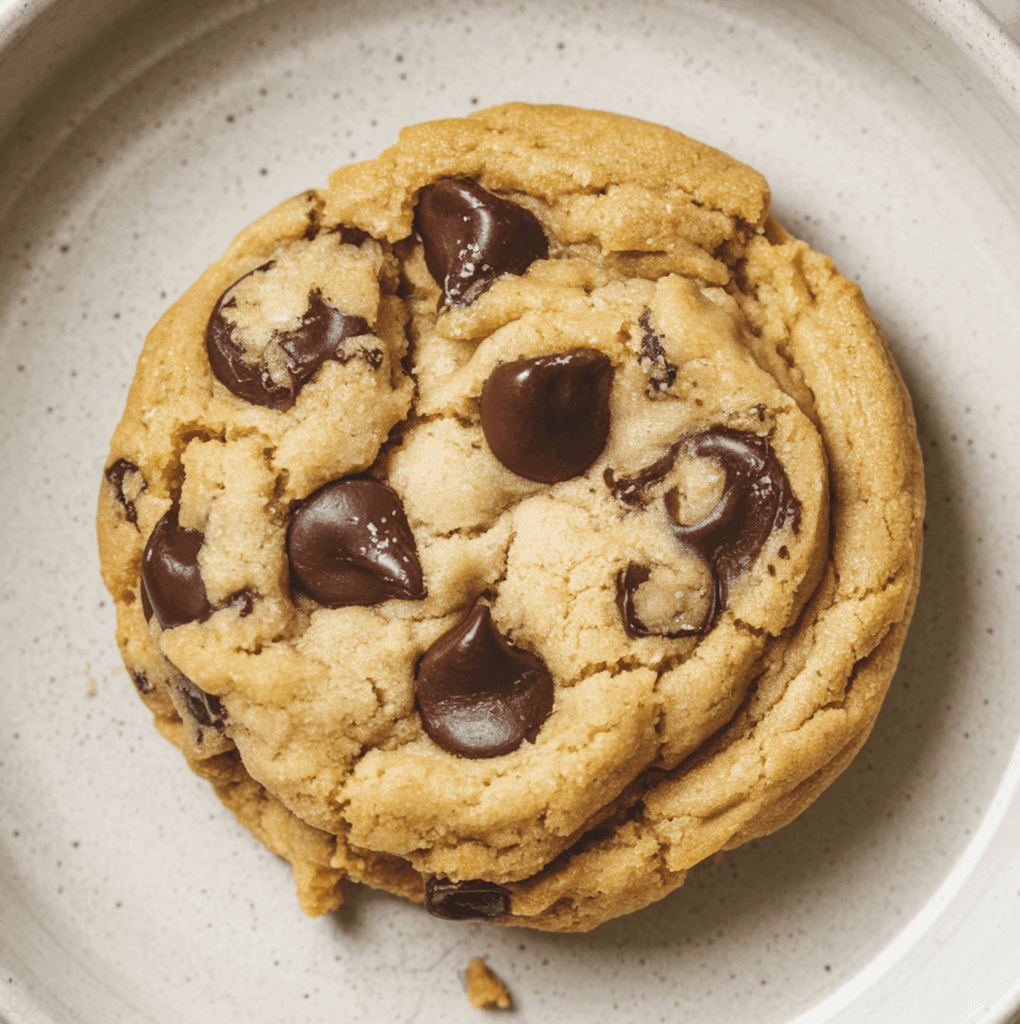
523 518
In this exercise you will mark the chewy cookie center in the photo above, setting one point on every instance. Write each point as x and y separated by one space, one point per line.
567 559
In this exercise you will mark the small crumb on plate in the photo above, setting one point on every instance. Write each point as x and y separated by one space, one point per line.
484 989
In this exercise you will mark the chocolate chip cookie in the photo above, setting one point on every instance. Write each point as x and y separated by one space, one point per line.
517 521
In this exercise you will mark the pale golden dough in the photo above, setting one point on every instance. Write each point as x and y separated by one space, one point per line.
659 752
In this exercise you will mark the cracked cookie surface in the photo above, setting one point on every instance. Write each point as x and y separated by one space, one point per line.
517 521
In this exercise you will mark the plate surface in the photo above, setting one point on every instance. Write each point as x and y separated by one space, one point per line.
140 138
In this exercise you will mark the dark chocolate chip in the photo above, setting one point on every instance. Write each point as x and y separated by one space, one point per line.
205 708
115 473
170 574
661 372
319 337
473 237
547 419
466 901
141 681
627 582
171 584
478 696
349 544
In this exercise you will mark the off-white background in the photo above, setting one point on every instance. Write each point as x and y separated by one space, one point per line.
137 145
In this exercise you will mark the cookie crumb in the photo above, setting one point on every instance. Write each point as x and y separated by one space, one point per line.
484 989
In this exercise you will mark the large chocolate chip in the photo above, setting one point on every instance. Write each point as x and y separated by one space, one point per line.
349 544
171 579
478 696
472 237
319 337
115 474
466 901
547 419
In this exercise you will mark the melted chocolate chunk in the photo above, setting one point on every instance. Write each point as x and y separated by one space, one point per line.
478 696
319 337
170 575
115 473
661 372
547 419
349 544
630 489
756 500
466 901
473 237
205 708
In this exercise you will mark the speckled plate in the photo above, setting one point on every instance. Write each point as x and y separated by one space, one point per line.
138 137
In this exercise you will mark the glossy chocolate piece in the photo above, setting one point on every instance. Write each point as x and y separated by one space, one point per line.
171 579
146 603
756 500
547 419
319 337
349 544
472 237
478 696
661 372
205 708
466 901
171 585
115 474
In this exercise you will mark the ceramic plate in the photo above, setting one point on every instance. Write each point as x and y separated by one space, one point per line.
139 137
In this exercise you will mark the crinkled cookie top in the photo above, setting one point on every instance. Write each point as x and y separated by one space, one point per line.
475 512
